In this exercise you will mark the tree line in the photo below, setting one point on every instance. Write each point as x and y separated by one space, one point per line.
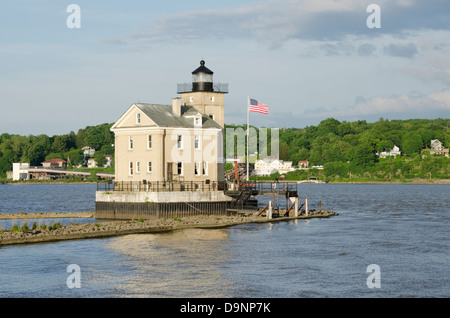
36 149
343 148
349 149
358 142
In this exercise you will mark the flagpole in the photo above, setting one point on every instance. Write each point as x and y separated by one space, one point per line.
248 123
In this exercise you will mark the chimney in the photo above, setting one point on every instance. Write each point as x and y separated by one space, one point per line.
176 105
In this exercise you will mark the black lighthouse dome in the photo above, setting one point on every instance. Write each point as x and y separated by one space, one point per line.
202 79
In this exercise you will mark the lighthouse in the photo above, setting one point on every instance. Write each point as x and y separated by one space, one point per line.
205 95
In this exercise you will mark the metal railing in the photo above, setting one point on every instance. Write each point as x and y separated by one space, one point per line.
261 188
161 186
269 187
187 87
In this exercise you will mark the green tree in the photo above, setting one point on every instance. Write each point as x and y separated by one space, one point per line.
364 155
98 136
284 150
335 169
55 155
6 160
100 158
38 150
75 157
275 175
60 144
329 125
94 137
80 140
385 145
315 156
107 150
303 154
71 140
412 143
345 128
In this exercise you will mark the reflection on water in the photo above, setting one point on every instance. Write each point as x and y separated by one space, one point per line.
179 264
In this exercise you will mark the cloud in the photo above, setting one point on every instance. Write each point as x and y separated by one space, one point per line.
433 67
404 105
413 105
366 49
274 22
408 50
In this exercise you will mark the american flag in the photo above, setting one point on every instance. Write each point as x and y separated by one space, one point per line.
258 107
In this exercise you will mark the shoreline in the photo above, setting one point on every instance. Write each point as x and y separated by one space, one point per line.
421 182
107 229
405 181
46 215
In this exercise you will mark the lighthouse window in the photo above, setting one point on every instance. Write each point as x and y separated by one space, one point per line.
191 99
138 167
197 142
212 98
130 170
196 168
130 143
179 142
149 141
204 168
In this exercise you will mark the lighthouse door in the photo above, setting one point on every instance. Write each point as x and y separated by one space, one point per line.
170 171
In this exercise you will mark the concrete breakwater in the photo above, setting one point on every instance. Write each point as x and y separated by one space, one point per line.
115 228
46 215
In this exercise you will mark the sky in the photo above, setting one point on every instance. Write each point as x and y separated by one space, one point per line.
308 60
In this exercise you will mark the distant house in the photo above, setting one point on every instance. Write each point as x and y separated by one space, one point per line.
54 163
20 171
88 151
438 149
108 162
303 164
266 167
393 153
91 163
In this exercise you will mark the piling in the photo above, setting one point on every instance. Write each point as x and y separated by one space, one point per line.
269 214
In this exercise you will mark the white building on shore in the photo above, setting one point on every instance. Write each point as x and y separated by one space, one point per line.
393 153
265 167
20 171
438 148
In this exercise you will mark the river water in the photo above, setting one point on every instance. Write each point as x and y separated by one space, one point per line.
403 229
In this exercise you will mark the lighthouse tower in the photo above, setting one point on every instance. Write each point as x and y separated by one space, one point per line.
204 94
